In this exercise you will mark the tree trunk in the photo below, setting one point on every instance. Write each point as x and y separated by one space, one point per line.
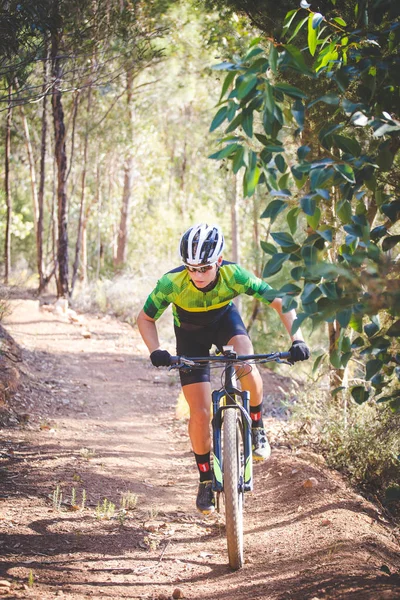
7 243
39 230
61 161
78 245
335 375
128 182
99 209
32 169
235 199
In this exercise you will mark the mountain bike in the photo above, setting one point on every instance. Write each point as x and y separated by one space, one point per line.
232 443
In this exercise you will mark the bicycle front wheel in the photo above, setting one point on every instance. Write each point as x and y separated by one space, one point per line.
233 495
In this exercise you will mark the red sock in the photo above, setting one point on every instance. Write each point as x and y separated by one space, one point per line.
256 416
204 466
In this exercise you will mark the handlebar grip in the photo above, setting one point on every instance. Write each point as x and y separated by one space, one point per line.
285 354
175 360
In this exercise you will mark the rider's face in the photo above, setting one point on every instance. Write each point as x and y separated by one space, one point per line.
202 280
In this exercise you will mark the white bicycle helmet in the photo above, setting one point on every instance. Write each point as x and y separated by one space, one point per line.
201 244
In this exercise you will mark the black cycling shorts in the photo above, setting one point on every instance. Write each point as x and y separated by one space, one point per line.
196 340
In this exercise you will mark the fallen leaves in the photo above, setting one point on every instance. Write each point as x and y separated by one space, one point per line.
311 482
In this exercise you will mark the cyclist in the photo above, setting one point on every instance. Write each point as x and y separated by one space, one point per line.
201 293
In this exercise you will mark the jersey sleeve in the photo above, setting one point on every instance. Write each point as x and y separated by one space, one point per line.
250 284
159 299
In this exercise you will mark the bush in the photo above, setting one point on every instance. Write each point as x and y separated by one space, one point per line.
361 441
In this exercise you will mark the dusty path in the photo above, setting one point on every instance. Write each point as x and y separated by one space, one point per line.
98 419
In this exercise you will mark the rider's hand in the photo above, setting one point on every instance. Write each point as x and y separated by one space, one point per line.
299 351
160 358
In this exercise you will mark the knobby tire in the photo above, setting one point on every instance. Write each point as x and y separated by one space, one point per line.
233 498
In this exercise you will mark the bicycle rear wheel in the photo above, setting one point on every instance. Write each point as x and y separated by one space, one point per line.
233 496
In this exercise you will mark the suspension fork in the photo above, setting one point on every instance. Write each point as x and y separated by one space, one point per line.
228 393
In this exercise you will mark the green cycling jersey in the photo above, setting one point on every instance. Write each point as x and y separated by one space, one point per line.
203 307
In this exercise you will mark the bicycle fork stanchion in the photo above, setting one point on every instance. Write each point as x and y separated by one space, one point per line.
244 408
218 484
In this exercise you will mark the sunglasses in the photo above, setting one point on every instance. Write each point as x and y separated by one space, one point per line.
199 269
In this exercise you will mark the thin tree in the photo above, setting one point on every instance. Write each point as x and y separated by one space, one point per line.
7 244
128 178
61 161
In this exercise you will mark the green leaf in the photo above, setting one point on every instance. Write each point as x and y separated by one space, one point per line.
297 28
268 248
394 329
246 85
356 323
247 123
385 159
390 242
337 390
318 361
371 329
298 322
238 161
269 98
372 368
297 273
343 211
280 163
275 264
290 289
340 21
345 171
358 342
253 52
225 152
298 58
282 193
298 112
312 35
290 90
283 239
310 293
344 317
360 394
251 176
224 66
334 357
273 57
288 20
235 123
303 151
288 303
392 210
308 205
292 219
320 176
227 83
284 182
310 256
330 290
346 144
219 118
313 220
273 209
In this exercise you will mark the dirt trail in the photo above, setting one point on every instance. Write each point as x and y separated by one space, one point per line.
94 416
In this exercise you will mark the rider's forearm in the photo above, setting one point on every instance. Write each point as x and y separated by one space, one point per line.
287 319
148 331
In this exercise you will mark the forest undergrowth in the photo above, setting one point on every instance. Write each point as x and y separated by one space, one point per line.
363 442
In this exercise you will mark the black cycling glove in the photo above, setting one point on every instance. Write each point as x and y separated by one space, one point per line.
160 358
299 351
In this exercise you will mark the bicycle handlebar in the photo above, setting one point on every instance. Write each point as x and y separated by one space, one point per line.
177 361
